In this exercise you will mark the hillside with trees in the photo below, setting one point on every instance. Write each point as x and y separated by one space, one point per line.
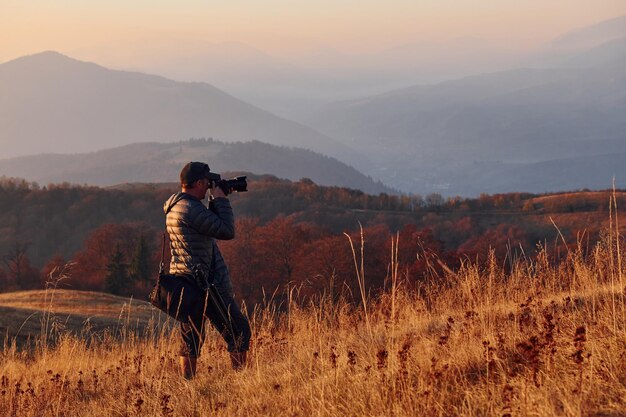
156 162
289 234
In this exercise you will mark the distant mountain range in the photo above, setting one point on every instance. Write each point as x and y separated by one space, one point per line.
592 35
427 138
295 86
162 162
558 123
52 103
608 54
594 172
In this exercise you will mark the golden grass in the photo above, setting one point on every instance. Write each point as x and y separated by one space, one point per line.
30 317
539 339
72 301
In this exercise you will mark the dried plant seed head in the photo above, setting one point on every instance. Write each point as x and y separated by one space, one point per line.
333 357
351 358
381 357
581 334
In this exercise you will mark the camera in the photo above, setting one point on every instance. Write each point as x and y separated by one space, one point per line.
237 184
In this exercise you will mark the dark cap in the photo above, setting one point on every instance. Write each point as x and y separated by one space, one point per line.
194 171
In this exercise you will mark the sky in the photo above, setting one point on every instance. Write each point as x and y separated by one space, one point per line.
291 27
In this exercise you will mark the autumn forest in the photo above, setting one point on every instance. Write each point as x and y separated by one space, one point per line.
288 234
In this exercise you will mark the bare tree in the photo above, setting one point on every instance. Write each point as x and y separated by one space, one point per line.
18 265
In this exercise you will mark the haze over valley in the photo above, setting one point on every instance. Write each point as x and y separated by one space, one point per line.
496 126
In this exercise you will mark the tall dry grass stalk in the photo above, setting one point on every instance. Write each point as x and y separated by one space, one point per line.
535 338
360 274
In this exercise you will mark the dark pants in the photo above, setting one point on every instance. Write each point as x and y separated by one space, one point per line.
233 325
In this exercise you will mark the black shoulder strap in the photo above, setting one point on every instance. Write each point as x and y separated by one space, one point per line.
162 265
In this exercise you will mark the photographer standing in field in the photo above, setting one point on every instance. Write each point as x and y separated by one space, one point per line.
193 229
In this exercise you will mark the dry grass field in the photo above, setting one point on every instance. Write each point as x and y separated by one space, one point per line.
30 317
531 339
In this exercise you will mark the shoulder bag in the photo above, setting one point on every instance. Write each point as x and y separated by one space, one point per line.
176 295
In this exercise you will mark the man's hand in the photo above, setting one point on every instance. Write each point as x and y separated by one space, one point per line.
217 191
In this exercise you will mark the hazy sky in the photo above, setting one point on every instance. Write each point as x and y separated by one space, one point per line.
286 26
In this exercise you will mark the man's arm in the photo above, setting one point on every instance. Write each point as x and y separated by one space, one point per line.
218 223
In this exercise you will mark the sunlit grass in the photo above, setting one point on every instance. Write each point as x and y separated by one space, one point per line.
528 338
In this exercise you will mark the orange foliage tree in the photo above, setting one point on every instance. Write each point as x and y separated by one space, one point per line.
93 262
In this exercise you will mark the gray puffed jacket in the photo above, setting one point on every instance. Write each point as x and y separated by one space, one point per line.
192 229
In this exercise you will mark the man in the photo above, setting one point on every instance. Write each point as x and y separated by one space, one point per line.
193 229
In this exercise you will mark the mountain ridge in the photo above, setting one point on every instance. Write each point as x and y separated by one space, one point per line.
161 162
591 35
56 103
